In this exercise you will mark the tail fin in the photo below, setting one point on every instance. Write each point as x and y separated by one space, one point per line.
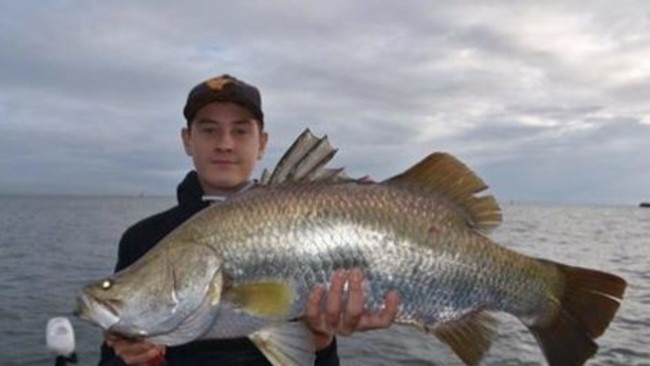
588 304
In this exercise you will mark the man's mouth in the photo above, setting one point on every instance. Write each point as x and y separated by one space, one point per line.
223 162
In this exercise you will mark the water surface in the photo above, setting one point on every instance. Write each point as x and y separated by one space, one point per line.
51 246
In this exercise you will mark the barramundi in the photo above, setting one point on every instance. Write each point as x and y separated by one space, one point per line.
245 267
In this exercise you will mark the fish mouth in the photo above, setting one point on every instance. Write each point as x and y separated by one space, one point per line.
97 311
82 309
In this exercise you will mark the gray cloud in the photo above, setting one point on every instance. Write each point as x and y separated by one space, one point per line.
547 101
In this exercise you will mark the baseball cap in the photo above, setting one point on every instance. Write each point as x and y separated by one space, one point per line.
224 88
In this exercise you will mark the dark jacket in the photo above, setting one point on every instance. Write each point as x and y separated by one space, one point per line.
141 237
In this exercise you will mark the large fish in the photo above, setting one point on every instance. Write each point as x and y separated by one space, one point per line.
246 266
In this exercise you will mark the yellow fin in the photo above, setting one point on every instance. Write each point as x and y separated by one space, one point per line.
444 175
469 337
265 299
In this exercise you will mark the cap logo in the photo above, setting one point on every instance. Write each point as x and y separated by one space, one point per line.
217 84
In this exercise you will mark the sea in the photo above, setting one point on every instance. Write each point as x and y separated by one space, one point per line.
50 246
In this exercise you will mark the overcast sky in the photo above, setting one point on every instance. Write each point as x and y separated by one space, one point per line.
548 101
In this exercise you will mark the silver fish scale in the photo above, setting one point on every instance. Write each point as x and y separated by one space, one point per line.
300 234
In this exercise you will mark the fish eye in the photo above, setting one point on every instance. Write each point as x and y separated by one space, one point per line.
106 284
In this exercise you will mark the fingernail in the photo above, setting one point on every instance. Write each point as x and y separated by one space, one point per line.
317 291
340 274
356 274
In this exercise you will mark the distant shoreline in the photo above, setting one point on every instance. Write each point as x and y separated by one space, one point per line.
69 195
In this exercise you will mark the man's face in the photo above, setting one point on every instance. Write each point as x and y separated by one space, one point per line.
224 141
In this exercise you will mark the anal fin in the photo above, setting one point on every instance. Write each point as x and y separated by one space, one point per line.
469 337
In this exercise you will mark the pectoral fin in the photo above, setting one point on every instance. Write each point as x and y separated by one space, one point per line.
271 300
289 344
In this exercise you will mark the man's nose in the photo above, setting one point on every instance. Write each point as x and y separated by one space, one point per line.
225 141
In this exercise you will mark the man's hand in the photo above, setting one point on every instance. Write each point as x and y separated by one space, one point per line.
136 352
345 319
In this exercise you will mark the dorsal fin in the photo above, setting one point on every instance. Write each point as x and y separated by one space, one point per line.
443 174
305 161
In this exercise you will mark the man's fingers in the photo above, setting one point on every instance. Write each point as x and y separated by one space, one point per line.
352 316
149 357
391 302
313 311
158 359
384 318
333 309
135 352
391 307
355 304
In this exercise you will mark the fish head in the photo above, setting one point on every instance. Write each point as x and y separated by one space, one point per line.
171 294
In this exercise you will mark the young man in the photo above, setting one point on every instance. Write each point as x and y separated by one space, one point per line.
225 138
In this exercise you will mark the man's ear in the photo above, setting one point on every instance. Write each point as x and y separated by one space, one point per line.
264 139
186 138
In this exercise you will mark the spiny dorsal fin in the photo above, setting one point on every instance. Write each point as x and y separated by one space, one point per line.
443 174
305 161
469 337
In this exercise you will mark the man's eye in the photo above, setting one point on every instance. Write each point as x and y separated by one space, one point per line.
241 131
